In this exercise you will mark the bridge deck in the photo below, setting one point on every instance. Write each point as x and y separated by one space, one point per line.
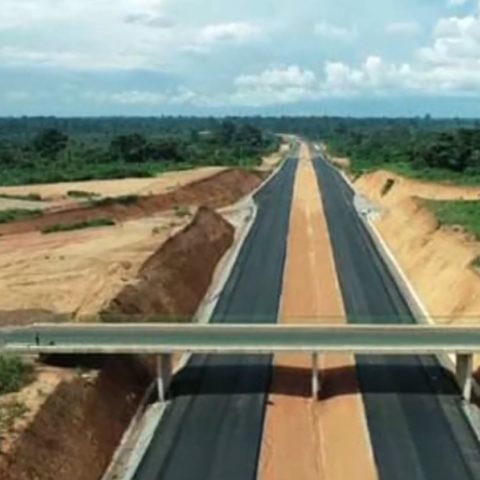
248 339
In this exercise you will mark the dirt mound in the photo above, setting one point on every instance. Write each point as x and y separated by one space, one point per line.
173 281
438 261
216 191
76 432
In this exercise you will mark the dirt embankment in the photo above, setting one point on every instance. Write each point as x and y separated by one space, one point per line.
216 191
438 261
79 426
74 435
173 281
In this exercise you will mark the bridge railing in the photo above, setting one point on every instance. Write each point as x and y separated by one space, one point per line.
247 339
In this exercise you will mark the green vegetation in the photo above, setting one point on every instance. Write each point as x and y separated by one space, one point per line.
427 150
42 150
14 374
121 200
10 412
182 212
67 227
81 194
462 213
31 197
15 214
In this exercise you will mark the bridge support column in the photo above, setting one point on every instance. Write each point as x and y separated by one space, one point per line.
464 372
316 383
164 375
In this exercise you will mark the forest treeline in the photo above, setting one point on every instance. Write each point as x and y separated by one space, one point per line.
54 149
41 150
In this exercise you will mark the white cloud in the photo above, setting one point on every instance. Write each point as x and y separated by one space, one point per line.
403 28
292 76
274 85
457 3
179 96
234 32
334 32
71 60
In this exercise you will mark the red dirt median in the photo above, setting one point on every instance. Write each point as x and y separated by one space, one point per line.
216 191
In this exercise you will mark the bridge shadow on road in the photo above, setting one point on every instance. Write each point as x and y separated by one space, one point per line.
402 376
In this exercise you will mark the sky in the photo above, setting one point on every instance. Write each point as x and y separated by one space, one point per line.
215 57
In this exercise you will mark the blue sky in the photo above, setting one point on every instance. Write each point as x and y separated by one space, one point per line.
153 57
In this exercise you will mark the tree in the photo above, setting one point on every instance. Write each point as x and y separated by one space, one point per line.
130 148
49 143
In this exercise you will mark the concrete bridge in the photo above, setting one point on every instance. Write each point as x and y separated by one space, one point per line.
163 340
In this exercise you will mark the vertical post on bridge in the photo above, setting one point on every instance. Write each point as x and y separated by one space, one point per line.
315 376
164 375
464 371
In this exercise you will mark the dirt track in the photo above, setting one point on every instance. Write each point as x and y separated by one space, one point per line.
303 439
112 188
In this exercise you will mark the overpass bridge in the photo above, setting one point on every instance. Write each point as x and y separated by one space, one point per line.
163 340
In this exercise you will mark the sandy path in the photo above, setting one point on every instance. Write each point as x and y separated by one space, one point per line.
303 439
129 186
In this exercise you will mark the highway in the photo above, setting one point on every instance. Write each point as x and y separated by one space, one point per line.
414 410
212 429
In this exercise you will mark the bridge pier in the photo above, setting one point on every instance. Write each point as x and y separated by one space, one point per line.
464 371
164 375
316 381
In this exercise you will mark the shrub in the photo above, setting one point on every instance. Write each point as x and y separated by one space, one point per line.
31 197
81 194
14 374
67 227
182 212
15 214
122 200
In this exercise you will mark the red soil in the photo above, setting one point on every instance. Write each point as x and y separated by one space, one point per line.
216 191
174 280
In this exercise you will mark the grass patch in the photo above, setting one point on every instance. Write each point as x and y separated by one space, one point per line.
81 194
31 197
14 374
122 200
67 227
182 212
463 213
15 214
9 413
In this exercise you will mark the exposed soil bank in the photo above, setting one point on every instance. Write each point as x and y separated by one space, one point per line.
76 432
78 428
216 191
174 280
438 261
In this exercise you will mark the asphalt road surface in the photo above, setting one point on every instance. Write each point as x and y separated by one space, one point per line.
213 427
413 407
